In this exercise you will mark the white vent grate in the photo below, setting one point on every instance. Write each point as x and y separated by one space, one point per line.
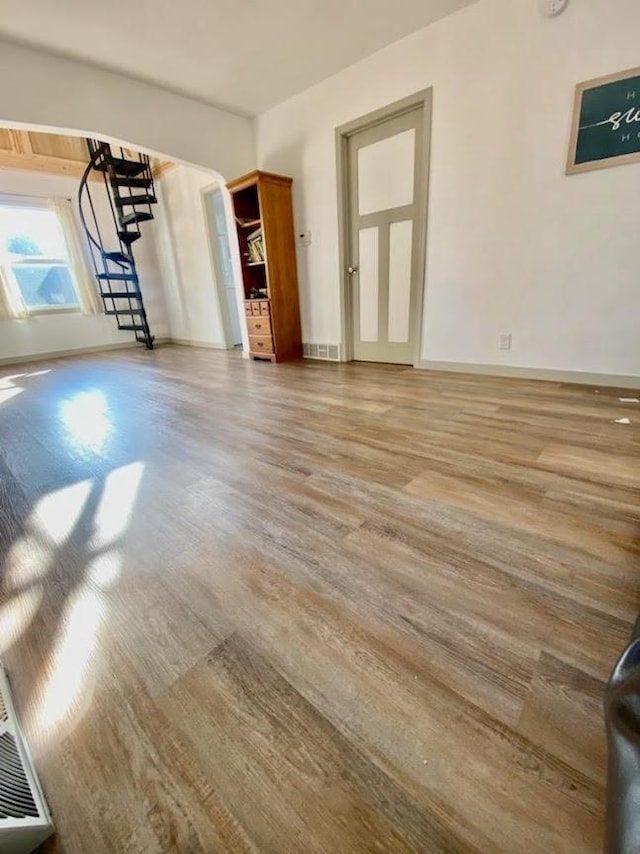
24 818
330 352
16 800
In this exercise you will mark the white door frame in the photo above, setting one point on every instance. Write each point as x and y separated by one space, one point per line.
424 100
221 296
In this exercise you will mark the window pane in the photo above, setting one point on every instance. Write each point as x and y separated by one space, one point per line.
30 232
45 284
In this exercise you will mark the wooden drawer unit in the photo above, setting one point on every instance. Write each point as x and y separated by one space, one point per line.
255 307
260 325
260 344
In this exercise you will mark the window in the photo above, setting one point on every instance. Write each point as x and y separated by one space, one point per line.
32 251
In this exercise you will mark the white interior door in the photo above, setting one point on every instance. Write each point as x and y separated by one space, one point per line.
386 202
224 269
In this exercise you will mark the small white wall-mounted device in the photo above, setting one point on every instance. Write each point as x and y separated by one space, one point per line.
551 8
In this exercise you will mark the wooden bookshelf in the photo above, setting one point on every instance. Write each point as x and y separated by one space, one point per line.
264 223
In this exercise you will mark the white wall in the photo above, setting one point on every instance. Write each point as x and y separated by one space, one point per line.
183 248
513 244
64 332
60 94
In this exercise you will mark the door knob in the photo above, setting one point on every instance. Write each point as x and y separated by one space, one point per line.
352 270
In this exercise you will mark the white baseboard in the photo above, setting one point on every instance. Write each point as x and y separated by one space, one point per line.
515 371
101 348
77 351
189 342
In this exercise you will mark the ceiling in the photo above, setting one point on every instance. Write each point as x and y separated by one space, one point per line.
243 56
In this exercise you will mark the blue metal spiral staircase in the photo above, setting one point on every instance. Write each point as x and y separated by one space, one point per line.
129 185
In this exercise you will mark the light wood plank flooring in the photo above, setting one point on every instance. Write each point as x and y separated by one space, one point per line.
314 607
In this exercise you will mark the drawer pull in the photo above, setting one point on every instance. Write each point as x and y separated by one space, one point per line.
258 326
261 343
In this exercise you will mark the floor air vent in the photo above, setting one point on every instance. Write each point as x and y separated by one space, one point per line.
329 352
24 818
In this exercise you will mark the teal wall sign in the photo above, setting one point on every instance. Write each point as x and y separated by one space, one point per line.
606 123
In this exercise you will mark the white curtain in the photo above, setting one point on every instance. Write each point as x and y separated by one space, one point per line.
84 281
12 305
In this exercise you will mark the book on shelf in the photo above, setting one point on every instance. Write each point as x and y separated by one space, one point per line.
255 246
253 257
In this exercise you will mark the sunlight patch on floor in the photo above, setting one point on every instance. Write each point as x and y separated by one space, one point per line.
116 504
104 571
16 614
74 649
7 393
68 679
87 420
8 387
25 563
56 514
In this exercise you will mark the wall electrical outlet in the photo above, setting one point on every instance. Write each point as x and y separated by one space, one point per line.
304 238
551 8
504 341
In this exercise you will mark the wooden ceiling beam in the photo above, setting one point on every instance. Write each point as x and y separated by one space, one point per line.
23 156
43 163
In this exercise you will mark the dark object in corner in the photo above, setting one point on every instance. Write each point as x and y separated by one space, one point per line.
622 713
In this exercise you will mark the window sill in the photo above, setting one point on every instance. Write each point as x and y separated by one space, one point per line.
49 310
